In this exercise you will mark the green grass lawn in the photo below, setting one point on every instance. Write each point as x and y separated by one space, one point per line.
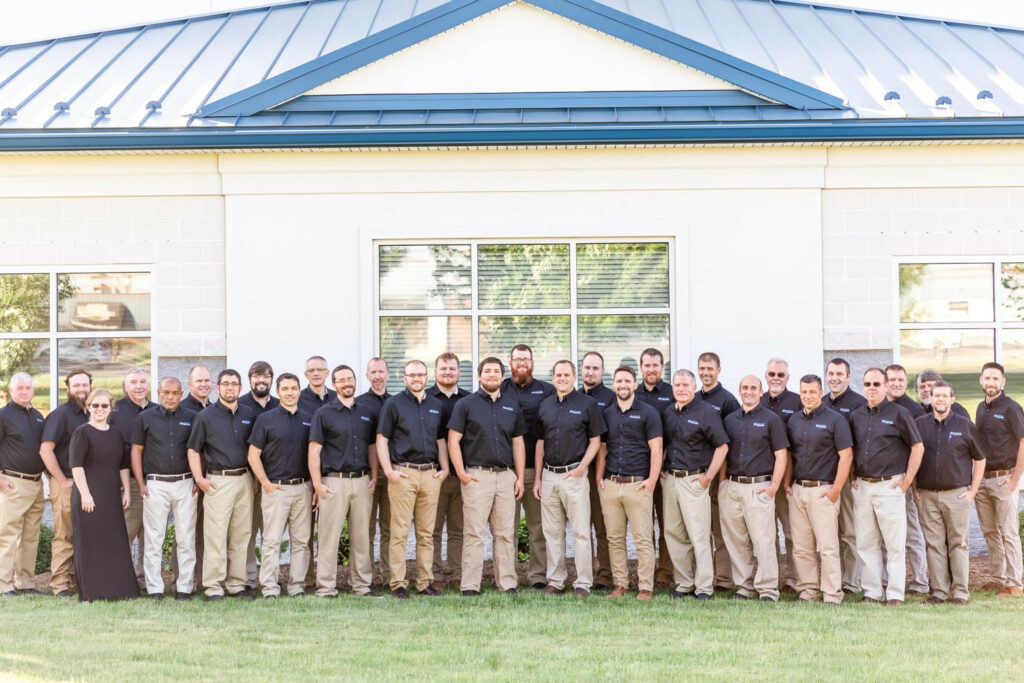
498 636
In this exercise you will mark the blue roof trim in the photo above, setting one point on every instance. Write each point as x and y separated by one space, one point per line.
855 130
298 80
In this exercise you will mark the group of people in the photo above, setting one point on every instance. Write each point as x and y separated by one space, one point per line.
858 483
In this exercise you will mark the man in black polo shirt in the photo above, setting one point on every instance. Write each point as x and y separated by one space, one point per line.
695 448
572 426
657 393
219 444
414 457
709 368
822 452
161 471
377 374
755 467
886 454
200 384
21 487
925 380
628 465
529 392
343 467
844 400
488 454
57 430
278 456
1000 421
258 400
446 389
592 376
952 467
316 394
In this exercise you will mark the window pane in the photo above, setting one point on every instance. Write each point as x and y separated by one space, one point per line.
621 338
431 277
957 354
103 302
31 356
946 292
25 303
517 276
1013 361
107 360
622 275
1012 279
425 338
547 335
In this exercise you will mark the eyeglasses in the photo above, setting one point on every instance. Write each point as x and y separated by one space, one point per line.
872 384
776 374
99 406
229 384
416 375
316 370
521 361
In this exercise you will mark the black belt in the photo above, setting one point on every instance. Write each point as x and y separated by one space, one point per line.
875 480
992 474
22 475
237 472
759 479
562 469
687 473
289 482
489 468
169 477
346 475
625 478
952 488
417 466
812 483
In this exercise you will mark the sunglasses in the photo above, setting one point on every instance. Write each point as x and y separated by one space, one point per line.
99 406
776 374
872 384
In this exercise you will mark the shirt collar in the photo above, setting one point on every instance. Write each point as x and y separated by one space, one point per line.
567 397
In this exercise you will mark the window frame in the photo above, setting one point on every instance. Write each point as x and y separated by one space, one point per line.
474 312
53 336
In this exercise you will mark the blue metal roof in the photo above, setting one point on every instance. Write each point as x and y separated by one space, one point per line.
235 67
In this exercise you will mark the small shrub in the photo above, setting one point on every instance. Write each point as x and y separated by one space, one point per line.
167 549
523 541
1020 524
44 554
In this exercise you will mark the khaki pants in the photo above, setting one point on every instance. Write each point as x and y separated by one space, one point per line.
997 515
252 566
916 553
133 521
21 512
602 565
351 500
289 507
449 513
749 529
564 498
177 498
945 519
688 534
380 511
814 520
489 501
413 500
622 503
723 563
880 512
848 541
62 555
787 571
536 571
227 525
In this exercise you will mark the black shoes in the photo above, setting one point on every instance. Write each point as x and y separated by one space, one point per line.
513 591
703 596
430 591
30 591
470 594
182 597
400 593
214 598
66 594
681 594
156 596
539 586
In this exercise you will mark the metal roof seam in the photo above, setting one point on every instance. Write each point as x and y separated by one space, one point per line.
233 61
757 38
796 37
284 43
28 98
334 27
28 63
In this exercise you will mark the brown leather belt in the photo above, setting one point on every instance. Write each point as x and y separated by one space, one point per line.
169 477
760 479
624 478
346 475
562 469
489 468
687 473
812 483
289 482
22 475
997 473
237 472
875 480
416 466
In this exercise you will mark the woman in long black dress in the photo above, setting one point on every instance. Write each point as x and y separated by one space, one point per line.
99 465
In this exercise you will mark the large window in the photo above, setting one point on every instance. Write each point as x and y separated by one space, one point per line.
563 298
954 317
52 321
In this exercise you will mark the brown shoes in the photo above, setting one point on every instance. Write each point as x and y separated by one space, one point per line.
959 602
581 593
551 590
618 592
869 601
644 595
1010 592
894 603
993 586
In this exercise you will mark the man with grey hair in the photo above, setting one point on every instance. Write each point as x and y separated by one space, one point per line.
925 381
21 488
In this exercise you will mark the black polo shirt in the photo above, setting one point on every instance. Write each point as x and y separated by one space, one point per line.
602 394
163 436
1001 425
345 434
659 397
882 438
123 417
283 439
956 409
950 447
569 424
915 408
785 405
815 440
57 429
374 402
222 436
529 396
21 433
753 439
250 402
720 398
845 403
692 433
412 428
447 402
309 402
192 403
487 428
628 434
